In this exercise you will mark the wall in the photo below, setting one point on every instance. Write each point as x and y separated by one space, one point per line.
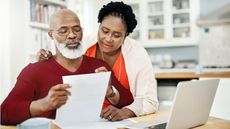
18 37
90 12
4 51
212 5
216 37
15 46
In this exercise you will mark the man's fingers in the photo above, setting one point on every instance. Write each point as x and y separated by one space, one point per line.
61 87
60 104
62 93
58 101
62 98
101 69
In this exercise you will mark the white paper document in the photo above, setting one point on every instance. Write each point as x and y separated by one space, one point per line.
86 100
103 124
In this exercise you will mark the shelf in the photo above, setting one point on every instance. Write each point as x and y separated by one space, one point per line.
181 25
213 22
39 25
152 1
158 43
181 11
53 2
155 14
156 27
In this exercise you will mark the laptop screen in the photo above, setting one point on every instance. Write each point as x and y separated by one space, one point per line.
191 106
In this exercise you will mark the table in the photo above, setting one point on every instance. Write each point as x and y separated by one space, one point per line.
53 126
213 123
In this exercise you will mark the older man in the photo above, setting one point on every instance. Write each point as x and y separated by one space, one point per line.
39 89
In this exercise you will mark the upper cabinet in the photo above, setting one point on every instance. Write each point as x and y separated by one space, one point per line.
166 23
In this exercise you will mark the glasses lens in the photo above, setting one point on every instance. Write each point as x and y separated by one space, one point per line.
66 31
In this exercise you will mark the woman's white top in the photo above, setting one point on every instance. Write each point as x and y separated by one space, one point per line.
140 75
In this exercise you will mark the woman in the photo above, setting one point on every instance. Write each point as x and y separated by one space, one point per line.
128 60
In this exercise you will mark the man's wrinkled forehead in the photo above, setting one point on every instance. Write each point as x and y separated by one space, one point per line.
64 18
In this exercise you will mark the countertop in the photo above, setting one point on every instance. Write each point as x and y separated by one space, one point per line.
192 73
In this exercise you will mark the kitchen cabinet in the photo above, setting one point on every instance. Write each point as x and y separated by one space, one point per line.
166 23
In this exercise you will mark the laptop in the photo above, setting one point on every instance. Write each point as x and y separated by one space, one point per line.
191 107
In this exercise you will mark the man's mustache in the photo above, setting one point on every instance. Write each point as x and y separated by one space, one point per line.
73 41
77 43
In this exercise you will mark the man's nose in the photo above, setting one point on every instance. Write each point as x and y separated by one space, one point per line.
71 35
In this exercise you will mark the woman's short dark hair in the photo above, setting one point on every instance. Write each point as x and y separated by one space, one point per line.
119 9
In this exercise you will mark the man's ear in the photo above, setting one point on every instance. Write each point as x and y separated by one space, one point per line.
50 33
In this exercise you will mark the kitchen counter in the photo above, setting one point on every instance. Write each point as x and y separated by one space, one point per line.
191 73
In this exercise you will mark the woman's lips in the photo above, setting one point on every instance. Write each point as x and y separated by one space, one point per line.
105 45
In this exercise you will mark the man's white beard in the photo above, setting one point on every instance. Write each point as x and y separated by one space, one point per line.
69 53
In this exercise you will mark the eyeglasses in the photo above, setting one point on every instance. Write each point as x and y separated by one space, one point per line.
64 31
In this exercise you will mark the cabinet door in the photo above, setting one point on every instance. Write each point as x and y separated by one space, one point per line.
184 16
181 19
156 19
164 23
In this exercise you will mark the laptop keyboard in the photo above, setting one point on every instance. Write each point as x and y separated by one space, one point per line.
159 126
152 124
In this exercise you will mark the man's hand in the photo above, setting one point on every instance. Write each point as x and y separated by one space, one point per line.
43 55
57 96
112 113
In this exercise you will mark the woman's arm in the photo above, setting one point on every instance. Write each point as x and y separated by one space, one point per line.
126 97
141 78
